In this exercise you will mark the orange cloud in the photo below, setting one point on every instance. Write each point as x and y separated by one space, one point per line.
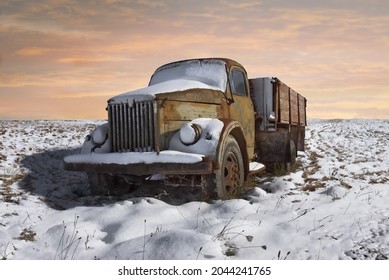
34 51
88 60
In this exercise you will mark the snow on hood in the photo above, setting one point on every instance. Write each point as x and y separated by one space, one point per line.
180 76
149 92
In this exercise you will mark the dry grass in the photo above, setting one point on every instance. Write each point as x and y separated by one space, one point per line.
345 185
9 195
2 157
313 184
27 235
8 178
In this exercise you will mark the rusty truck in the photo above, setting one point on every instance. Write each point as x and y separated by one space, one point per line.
199 122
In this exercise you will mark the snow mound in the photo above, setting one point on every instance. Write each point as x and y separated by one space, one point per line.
277 186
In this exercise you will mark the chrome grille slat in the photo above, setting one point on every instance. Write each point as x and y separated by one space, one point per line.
133 123
117 125
132 128
137 146
125 118
142 125
151 126
121 127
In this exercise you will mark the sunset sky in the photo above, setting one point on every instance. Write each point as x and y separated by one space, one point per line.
62 59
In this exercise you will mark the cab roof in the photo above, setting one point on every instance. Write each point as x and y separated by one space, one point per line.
229 62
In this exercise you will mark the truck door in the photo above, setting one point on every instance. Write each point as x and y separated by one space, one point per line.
242 109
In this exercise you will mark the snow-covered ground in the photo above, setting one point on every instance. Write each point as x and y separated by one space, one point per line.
333 206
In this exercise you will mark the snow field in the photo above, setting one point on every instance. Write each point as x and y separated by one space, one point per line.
333 206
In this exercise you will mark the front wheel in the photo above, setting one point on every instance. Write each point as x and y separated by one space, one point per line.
106 184
100 184
229 178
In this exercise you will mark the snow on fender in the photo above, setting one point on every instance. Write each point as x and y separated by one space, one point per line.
207 131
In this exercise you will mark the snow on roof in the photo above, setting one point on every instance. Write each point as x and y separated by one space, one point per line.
211 72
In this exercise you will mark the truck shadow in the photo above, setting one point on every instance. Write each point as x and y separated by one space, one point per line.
61 189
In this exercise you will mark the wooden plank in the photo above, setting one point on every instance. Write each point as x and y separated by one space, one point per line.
284 103
302 110
294 109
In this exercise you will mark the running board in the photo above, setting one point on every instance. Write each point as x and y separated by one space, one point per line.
256 168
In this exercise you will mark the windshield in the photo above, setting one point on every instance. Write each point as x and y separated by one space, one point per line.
211 72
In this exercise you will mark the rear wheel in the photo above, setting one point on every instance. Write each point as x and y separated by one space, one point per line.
292 152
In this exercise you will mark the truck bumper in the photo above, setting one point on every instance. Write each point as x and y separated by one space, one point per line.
140 164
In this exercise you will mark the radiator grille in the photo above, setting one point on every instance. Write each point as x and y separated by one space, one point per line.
132 127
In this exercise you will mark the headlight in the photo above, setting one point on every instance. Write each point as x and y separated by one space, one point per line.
190 133
100 134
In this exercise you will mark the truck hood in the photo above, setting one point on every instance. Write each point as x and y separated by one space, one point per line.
150 92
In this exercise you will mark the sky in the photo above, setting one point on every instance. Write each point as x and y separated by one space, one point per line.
63 59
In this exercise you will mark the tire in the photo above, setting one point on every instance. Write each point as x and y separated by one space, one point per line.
105 184
100 184
229 178
292 152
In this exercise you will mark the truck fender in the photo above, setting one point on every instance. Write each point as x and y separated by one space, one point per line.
233 128
204 140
